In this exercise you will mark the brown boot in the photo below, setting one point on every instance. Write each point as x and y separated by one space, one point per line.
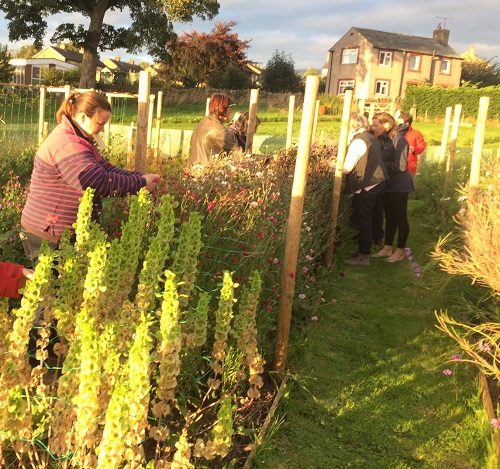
363 259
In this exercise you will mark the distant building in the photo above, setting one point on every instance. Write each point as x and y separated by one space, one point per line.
114 69
29 71
377 64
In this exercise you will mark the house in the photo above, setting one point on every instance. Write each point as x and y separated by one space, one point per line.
29 71
114 69
377 64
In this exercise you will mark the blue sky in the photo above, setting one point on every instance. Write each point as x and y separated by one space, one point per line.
306 30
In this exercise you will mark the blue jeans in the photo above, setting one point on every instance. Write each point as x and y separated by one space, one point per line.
363 206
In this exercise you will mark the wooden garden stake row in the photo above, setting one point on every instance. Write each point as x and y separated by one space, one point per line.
294 224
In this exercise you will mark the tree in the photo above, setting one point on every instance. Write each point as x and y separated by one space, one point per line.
26 52
480 72
233 78
151 26
6 70
196 56
279 75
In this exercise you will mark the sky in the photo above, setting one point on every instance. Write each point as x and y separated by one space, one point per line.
305 31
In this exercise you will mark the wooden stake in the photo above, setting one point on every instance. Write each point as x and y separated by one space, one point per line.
151 111
141 145
315 123
444 140
477 147
337 184
295 224
291 107
159 105
252 113
41 116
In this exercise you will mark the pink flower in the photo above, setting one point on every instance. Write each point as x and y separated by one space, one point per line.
292 274
304 269
447 372
211 206
457 357
302 296
495 423
314 318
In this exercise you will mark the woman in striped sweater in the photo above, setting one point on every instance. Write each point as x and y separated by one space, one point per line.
65 165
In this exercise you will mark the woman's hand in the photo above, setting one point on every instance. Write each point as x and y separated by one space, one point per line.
153 181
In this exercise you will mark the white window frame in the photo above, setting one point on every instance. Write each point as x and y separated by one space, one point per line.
345 85
382 87
418 62
385 58
445 70
348 56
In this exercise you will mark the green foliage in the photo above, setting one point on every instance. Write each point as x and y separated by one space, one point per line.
151 25
26 52
55 77
434 100
279 74
6 70
233 78
480 72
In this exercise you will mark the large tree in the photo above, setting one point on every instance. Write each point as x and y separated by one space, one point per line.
196 56
6 70
151 25
480 72
279 75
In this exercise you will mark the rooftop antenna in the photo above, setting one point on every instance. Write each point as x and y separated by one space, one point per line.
444 18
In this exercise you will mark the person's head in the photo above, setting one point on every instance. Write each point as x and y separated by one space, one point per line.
404 118
241 123
358 122
383 123
89 110
220 105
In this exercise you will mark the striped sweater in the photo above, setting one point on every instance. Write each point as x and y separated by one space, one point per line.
65 165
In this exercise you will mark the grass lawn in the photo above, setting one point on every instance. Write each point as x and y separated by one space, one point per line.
367 384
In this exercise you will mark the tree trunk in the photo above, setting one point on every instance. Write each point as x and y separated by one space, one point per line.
89 62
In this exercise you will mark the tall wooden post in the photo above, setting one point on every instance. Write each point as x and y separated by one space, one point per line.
315 123
291 107
41 113
130 139
444 139
107 127
477 147
141 144
453 145
151 111
337 184
295 224
159 105
252 114
207 107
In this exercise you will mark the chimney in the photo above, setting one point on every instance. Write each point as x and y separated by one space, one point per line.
441 35
131 61
118 58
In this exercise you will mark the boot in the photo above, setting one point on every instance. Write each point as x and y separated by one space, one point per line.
363 259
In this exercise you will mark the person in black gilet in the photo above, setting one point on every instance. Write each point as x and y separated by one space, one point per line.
365 179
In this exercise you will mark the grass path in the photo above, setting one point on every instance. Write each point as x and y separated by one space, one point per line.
368 388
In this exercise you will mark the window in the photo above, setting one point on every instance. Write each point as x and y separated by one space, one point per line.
445 68
382 87
414 62
345 85
36 76
350 56
385 59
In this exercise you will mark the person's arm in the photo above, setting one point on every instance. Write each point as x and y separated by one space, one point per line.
10 279
356 149
226 139
81 169
419 144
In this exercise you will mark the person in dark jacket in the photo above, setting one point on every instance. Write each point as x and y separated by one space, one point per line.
12 278
398 186
366 179
240 127
211 136
65 165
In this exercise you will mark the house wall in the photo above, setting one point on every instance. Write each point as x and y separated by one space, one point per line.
367 71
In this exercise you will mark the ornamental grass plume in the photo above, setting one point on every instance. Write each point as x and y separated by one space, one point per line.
479 256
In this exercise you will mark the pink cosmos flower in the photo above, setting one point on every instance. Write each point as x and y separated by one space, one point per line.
447 372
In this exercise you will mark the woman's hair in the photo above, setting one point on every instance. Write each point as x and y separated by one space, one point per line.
386 118
241 123
218 104
358 121
90 103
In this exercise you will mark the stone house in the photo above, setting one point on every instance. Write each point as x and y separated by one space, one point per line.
377 64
